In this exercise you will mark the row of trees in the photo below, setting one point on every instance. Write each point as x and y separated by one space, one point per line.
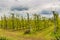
37 22
28 25
21 23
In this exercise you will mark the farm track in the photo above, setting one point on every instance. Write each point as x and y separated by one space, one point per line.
17 36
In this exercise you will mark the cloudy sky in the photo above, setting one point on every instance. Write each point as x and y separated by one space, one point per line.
30 6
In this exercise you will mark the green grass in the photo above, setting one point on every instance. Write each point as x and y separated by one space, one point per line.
44 34
3 38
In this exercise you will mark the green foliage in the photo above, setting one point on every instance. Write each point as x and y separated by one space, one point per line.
20 23
28 25
3 38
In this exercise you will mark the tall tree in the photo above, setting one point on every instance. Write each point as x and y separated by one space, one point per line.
5 22
13 27
55 21
55 14
36 21
1 22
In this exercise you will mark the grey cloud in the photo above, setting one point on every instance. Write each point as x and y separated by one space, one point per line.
20 8
46 12
28 5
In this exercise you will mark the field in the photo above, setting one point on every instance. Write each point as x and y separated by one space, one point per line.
38 28
43 35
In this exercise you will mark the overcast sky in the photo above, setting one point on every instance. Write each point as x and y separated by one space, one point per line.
30 6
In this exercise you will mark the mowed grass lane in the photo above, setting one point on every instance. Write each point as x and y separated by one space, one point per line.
18 35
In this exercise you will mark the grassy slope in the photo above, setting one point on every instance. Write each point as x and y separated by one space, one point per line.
43 35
